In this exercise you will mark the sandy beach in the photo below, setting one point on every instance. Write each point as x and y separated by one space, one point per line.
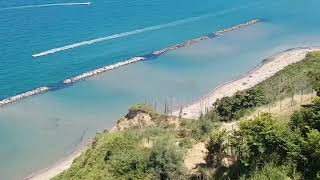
263 71
58 167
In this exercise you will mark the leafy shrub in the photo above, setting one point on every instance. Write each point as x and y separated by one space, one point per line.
262 141
200 129
166 160
216 148
273 172
309 164
307 118
234 107
113 156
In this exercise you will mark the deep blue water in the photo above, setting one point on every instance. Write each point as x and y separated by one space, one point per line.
37 131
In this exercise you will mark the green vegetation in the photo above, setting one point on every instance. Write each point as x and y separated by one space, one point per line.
262 141
261 148
234 107
273 172
308 118
166 160
200 130
314 79
294 79
141 153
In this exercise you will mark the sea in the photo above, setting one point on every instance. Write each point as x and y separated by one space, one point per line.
44 42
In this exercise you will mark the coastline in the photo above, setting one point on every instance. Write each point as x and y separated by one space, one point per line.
264 70
58 167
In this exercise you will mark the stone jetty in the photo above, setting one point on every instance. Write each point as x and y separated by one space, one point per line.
209 36
103 69
23 95
157 53
127 62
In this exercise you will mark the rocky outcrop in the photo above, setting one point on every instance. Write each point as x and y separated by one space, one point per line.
134 119
142 116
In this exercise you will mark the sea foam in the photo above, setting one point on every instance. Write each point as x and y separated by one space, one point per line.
137 31
45 5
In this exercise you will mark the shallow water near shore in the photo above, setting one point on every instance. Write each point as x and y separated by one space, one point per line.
38 131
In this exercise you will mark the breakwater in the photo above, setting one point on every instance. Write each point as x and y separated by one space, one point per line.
23 95
152 55
209 36
158 53
103 69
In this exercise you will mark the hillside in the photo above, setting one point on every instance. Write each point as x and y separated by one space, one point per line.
149 145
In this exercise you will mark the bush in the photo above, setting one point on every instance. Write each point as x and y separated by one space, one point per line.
309 165
234 107
166 161
273 172
256 143
314 78
113 156
216 148
307 118
200 129
261 141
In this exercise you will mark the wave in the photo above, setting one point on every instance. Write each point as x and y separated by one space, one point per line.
45 5
138 31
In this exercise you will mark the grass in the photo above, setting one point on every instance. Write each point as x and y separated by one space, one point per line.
291 80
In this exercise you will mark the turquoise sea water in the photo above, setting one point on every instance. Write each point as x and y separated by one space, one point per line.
38 131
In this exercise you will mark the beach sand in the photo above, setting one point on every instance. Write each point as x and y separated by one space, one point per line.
58 167
263 71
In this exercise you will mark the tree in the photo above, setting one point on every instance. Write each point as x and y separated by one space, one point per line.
231 108
310 163
314 78
216 147
307 118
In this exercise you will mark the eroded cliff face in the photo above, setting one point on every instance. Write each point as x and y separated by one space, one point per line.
134 119
142 117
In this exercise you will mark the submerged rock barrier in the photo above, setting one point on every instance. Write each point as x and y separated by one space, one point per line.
209 36
23 95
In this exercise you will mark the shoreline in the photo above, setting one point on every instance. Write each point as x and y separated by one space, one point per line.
264 70
150 56
59 166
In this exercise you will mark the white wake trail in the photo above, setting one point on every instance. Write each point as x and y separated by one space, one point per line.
45 5
115 36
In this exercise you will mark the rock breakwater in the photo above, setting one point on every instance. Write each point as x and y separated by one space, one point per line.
103 69
23 95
